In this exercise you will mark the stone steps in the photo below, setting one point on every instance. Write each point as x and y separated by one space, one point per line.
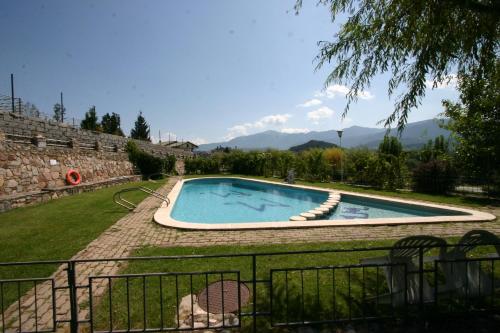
322 210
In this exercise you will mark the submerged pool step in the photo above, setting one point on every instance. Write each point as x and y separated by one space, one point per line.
324 209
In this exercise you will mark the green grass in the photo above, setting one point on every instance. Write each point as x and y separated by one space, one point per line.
443 199
315 309
57 230
60 228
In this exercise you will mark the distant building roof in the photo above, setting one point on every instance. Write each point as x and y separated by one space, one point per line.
180 145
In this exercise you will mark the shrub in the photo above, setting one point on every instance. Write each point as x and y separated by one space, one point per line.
148 164
202 165
435 176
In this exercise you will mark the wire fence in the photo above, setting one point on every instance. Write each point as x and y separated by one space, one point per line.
18 106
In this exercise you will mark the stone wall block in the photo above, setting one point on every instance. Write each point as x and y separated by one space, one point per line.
40 141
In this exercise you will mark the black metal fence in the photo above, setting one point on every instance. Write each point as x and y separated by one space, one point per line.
153 294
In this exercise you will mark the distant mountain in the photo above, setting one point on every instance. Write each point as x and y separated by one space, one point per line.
312 144
415 135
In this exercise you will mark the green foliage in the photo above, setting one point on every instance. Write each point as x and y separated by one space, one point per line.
414 40
202 165
169 164
434 150
90 120
148 164
111 124
317 167
390 146
59 112
141 129
357 164
435 176
475 122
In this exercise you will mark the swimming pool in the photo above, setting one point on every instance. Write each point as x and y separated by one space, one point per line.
236 203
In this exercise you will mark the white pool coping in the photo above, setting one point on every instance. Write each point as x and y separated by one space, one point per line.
164 218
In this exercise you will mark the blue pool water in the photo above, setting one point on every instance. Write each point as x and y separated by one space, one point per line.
229 200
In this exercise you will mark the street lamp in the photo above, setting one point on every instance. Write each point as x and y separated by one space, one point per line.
339 132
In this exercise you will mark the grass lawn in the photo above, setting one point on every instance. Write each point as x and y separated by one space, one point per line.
322 288
58 229
443 199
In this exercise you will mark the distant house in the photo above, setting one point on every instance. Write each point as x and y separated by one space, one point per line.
184 145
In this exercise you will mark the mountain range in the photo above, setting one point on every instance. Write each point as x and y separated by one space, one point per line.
414 135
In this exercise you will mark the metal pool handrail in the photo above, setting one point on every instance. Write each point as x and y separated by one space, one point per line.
118 199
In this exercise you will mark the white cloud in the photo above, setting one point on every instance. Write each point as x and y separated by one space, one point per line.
272 120
309 103
321 113
294 130
198 141
450 81
338 89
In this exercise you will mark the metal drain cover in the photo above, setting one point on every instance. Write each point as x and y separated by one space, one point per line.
222 296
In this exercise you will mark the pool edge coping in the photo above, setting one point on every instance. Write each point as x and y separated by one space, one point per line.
163 215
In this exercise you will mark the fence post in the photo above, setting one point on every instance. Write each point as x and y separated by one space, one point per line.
12 92
421 282
254 287
72 297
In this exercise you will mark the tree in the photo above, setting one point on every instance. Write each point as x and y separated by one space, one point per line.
434 150
334 157
141 129
90 121
31 110
475 122
388 168
413 40
59 112
111 124
390 146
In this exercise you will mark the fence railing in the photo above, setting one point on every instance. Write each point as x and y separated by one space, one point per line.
285 289
29 110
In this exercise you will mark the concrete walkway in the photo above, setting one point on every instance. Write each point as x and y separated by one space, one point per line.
137 230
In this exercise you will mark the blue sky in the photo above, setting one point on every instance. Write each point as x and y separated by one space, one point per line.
202 70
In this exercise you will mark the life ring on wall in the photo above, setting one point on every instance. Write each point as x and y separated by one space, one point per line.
73 177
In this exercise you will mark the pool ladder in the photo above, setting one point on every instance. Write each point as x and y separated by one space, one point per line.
117 197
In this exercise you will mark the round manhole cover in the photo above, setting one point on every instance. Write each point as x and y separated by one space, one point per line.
222 296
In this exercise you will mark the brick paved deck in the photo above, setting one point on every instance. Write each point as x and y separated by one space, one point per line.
137 229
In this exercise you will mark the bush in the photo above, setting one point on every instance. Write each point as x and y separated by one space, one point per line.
202 165
435 176
148 164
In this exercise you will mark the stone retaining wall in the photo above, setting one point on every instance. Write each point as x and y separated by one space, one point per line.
36 154
29 127
27 168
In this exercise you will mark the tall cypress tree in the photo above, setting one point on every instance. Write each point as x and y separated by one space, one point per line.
141 129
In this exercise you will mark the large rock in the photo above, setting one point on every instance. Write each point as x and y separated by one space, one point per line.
193 316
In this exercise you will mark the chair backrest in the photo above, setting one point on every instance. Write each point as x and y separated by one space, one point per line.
473 239
416 243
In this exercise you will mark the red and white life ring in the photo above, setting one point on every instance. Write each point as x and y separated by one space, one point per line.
73 177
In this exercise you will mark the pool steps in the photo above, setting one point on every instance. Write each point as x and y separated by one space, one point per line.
322 210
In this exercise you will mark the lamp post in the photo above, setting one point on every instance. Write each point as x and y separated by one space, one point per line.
339 132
